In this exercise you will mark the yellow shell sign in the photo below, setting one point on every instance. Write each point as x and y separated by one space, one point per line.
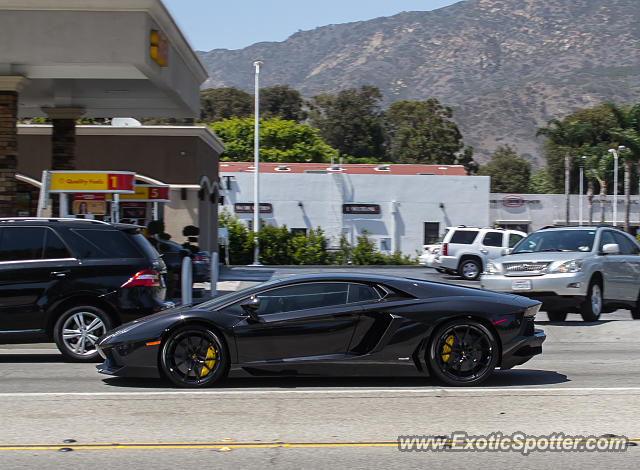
94 182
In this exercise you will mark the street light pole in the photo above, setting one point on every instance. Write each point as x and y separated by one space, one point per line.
615 186
256 166
581 189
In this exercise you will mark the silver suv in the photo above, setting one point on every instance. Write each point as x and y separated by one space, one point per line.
590 270
466 250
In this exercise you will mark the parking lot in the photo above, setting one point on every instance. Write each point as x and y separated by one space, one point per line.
585 382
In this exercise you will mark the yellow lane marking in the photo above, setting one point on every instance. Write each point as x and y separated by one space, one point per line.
215 445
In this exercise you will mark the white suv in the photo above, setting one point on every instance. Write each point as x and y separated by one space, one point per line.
466 250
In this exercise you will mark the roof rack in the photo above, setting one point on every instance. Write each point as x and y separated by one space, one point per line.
51 219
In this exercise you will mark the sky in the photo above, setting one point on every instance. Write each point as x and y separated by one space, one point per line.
236 24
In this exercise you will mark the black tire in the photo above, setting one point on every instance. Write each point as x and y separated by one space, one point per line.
463 353
635 311
470 269
77 330
592 305
557 315
194 357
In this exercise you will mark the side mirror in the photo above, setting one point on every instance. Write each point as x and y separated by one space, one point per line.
610 249
251 307
507 251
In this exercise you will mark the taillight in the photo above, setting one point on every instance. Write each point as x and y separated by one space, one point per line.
146 278
200 258
444 249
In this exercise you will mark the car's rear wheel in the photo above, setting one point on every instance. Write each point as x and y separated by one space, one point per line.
77 330
470 269
556 315
635 311
592 305
462 353
194 356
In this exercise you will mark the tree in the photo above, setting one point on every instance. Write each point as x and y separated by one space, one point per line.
280 141
240 244
509 173
350 121
539 182
224 103
423 132
566 136
627 133
598 167
283 102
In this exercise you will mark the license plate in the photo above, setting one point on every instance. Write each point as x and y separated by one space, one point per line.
522 284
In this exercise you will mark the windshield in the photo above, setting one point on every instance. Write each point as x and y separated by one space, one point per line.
236 295
557 240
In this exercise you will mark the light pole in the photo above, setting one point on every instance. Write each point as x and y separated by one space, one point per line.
256 166
581 189
615 186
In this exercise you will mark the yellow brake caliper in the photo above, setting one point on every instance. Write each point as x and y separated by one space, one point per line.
446 348
210 360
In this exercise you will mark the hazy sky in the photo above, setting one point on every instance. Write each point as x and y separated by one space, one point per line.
235 24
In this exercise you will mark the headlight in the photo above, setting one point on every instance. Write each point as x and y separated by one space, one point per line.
492 268
573 266
531 311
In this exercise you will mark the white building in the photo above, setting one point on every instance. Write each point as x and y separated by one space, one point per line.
400 206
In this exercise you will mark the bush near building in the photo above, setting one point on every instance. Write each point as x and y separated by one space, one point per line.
278 246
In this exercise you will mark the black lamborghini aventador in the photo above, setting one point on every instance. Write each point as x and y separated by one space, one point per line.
327 325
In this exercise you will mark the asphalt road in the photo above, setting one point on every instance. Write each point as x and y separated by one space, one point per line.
587 382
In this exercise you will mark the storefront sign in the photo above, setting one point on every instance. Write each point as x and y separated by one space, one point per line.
247 208
360 208
92 181
512 201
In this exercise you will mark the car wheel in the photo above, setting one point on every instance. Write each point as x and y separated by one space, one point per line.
462 353
635 311
77 330
470 269
557 315
592 305
193 357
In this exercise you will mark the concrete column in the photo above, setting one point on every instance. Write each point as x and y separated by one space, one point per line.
63 145
10 87
63 137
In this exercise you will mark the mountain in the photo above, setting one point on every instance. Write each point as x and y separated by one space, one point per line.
505 66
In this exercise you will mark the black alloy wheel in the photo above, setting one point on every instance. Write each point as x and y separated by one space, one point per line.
462 353
556 315
194 356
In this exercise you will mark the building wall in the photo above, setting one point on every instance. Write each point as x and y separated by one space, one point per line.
538 210
406 202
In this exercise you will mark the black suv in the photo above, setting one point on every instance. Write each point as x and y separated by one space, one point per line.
71 280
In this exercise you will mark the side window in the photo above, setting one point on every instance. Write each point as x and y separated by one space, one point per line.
514 239
627 247
302 297
361 293
464 237
21 243
53 246
606 238
492 239
104 244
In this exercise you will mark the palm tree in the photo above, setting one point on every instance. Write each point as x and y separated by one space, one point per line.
567 136
627 134
598 168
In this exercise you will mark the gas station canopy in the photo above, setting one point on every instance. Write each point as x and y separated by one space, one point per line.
107 58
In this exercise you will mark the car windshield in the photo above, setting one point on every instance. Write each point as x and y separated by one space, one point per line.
557 240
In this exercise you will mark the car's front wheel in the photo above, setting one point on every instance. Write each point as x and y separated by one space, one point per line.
194 356
462 353
77 330
592 305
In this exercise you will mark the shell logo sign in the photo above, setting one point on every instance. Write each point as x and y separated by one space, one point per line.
159 48
92 182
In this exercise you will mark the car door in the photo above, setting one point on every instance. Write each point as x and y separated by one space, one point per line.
492 245
629 268
298 321
612 269
33 262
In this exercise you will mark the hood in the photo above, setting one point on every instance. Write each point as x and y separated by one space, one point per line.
543 256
